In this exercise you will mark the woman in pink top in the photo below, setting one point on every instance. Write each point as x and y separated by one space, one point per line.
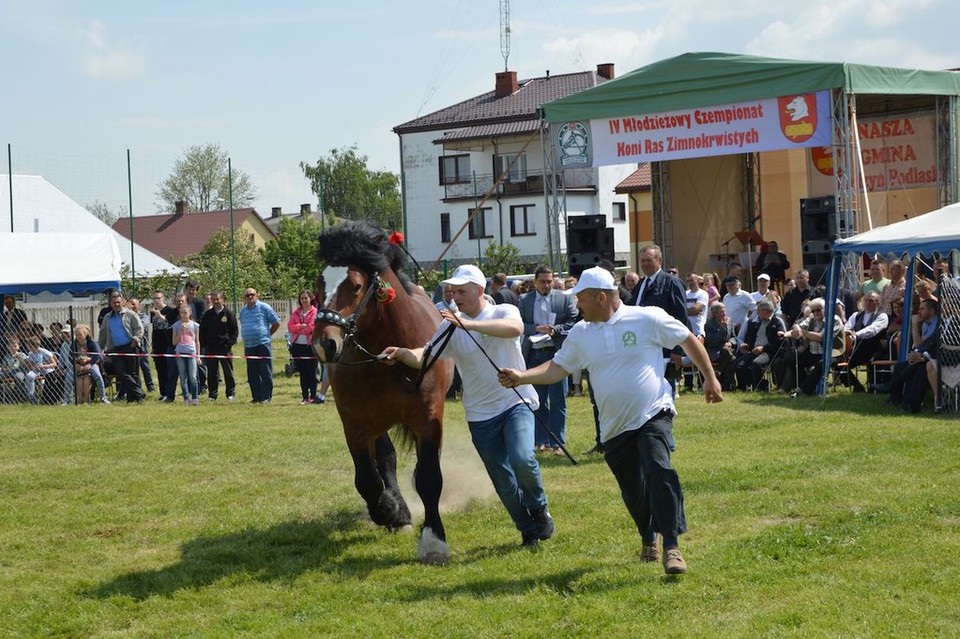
300 328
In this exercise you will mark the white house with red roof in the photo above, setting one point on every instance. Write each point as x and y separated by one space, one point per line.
452 158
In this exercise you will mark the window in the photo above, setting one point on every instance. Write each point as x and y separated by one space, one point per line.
518 172
619 211
521 220
454 169
478 225
445 228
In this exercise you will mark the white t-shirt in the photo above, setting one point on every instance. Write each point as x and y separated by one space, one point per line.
740 306
624 356
697 321
483 396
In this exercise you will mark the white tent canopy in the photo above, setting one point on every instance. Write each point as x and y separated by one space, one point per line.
40 207
58 262
934 232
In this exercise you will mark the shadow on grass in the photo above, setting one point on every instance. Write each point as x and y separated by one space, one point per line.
284 551
840 401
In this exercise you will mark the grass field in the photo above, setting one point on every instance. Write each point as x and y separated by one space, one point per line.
808 518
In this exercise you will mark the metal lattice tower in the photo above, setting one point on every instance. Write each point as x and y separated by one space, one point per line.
505 31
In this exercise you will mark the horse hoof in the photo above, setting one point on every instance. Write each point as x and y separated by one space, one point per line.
432 551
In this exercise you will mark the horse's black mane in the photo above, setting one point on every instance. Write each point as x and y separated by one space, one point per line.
364 245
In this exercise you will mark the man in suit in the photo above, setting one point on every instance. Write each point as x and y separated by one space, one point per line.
501 293
908 383
547 316
659 288
760 341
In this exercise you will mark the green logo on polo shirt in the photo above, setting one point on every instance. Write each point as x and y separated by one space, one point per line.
629 339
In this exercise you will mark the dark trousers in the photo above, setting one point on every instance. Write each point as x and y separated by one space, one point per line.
306 365
213 376
908 384
640 460
143 361
552 413
260 372
161 364
127 371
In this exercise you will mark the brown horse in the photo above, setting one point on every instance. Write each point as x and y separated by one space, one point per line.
374 307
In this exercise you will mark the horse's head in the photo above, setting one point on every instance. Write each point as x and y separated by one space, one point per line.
335 322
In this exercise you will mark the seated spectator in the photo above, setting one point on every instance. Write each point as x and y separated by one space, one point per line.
895 289
721 344
13 370
909 380
799 369
867 329
772 263
894 325
88 362
760 341
40 363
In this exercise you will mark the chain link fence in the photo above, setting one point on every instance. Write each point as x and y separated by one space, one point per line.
948 360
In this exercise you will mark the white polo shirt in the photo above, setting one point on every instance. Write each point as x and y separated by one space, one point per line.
483 396
624 356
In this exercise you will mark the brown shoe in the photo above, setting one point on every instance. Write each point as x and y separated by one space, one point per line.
673 563
649 553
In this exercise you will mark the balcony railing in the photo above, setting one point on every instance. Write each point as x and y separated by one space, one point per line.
569 179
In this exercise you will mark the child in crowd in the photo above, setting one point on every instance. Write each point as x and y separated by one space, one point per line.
186 340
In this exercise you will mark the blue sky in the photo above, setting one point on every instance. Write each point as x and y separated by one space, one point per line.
277 83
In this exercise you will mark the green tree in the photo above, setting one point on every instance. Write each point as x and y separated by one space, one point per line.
200 178
164 281
212 266
346 187
501 258
292 256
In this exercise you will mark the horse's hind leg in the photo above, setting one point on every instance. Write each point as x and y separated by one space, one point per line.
387 465
429 481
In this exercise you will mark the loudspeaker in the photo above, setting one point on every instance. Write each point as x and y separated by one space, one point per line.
577 262
818 219
580 222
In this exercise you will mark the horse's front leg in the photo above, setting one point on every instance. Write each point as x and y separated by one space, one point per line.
429 482
386 456
381 504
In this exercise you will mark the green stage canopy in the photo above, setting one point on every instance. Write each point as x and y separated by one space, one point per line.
704 79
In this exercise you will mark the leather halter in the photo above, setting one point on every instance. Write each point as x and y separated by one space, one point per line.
348 323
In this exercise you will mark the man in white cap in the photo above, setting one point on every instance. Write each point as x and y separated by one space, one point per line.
501 421
621 346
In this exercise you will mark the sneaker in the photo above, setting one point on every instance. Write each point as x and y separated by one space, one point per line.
304 402
673 563
166 400
186 402
544 522
530 540
319 399
104 400
195 402
649 553
230 398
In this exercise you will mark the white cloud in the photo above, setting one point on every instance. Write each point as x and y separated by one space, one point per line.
103 59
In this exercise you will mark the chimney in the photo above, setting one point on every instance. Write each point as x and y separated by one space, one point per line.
605 70
304 209
275 212
180 207
506 84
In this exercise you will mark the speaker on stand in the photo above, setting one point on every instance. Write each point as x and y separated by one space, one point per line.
818 230
589 242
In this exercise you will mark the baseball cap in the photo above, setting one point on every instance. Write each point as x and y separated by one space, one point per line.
763 276
595 277
466 274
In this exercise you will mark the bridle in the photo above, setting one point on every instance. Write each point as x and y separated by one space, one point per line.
348 323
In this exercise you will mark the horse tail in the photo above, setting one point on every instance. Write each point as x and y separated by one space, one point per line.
404 437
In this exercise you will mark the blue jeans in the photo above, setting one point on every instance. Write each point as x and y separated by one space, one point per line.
260 372
552 413
187 368
505 444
